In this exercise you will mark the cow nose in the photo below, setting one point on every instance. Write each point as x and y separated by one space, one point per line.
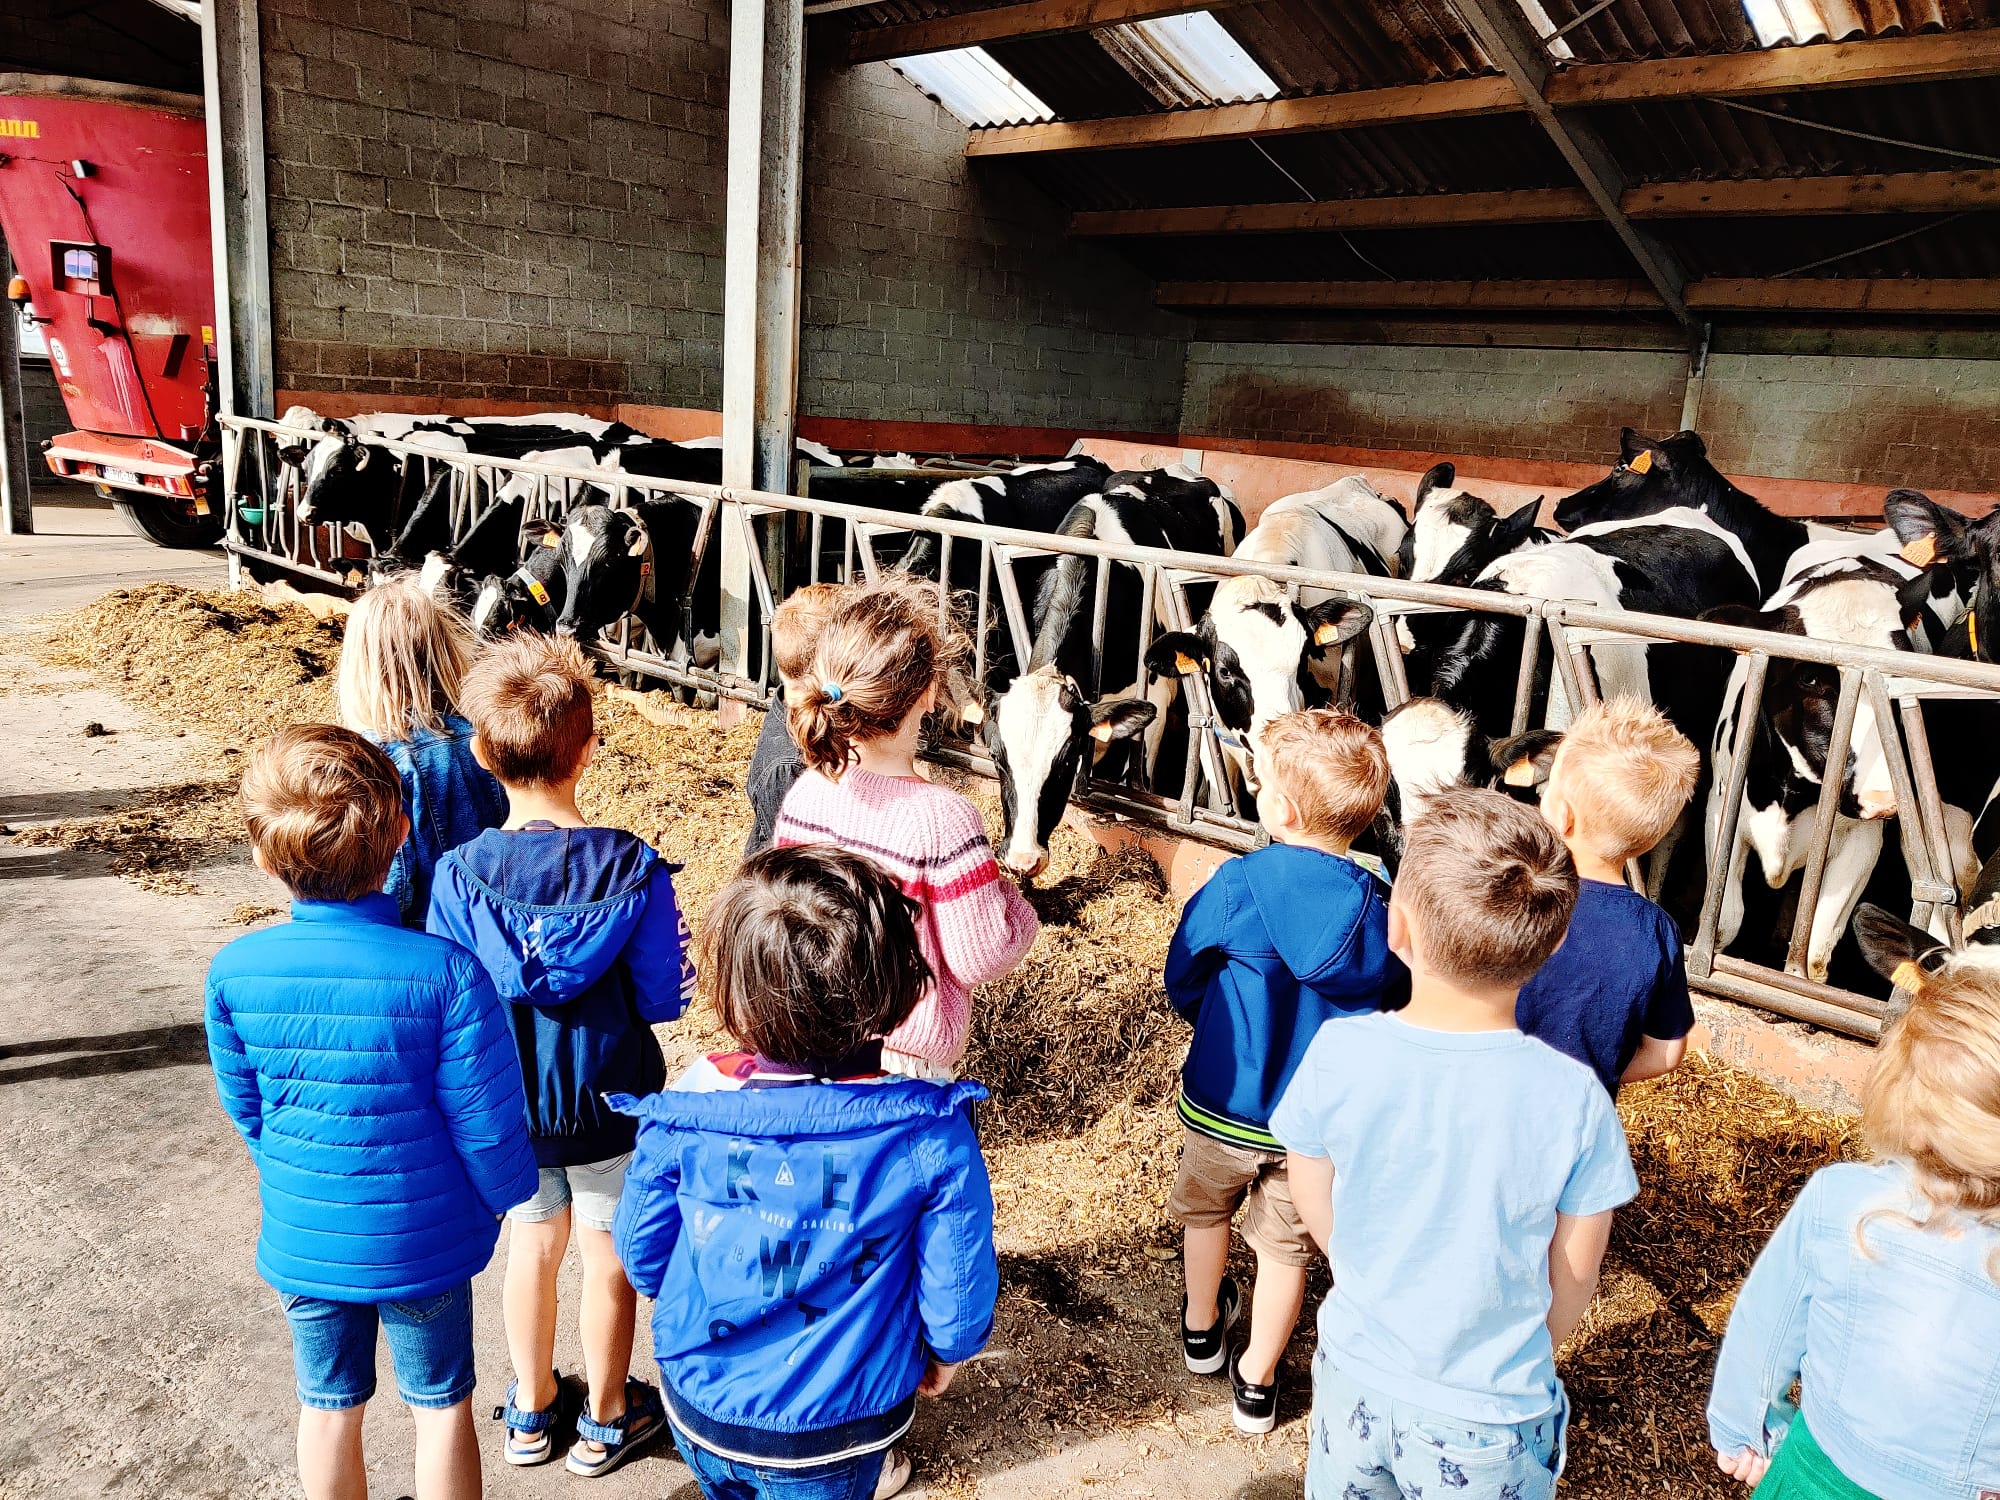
1876 804
1027 863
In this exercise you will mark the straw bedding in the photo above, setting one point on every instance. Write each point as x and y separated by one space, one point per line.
1081 1053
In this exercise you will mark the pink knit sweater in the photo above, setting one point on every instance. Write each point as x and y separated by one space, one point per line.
975 925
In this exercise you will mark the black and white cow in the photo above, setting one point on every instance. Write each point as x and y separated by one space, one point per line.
1262 652
631 559
531 597
1432 747
1033 497
1038 726
1909 958
1453 533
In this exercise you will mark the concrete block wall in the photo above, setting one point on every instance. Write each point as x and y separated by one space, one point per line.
523 200
1923 422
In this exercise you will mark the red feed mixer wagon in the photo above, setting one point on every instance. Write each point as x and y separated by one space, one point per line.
104 205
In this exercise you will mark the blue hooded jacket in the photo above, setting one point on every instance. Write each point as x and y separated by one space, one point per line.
367 1067
1276 944
582 935
806 1249
450 798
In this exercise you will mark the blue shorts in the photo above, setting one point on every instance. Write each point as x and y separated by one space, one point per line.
430 1346
1368 1446
729 1479
591 1190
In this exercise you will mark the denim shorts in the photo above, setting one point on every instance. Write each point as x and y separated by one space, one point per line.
1368 1446
731 1479
592 1190
430 1346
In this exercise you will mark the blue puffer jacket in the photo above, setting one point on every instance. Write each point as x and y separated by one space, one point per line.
806 1249
450 798
583 938
1275 945
369 1070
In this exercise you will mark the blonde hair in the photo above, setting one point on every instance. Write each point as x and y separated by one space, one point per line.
401 663
796 624
529 701
1933 1101
1626 773
322 805
877 656
1332 766
1487 885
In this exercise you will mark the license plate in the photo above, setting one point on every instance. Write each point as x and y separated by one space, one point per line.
119 476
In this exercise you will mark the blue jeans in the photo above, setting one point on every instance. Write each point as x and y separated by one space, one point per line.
726 1479
1367 1446
430 1346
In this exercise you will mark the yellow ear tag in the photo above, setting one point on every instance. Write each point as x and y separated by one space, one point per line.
1326 635
973 713
1908 976
1919 551
540 593
1642 461
1184 664
1101 733
1972 634
1521 773
552 539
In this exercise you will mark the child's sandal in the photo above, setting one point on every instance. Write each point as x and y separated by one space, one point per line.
528 1439
645 1419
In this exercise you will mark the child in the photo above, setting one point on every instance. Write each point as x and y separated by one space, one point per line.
368 1069
882 663
1462 1177
1614 996
1880 1292
775 763
816 1236
585 942
1276 943
401 665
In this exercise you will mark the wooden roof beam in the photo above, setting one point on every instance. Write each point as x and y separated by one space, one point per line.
1718 294
1868 193
1007 23
1848 294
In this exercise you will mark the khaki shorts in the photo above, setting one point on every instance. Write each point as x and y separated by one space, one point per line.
1215 1177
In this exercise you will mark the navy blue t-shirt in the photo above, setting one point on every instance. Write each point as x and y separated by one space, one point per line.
1616 978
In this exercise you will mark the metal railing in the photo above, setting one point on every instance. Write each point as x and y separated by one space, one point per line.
790 541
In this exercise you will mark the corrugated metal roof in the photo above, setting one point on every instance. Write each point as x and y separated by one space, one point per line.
973 86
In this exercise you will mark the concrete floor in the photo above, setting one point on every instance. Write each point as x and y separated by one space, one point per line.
139 1353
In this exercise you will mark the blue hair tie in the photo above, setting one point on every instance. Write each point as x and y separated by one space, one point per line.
832 691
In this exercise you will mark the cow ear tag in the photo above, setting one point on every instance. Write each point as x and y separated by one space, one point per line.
1642 461
539 593
973 713
1326 635
1184 664
1908 976
1521 773
1101 732
552 539
1919 551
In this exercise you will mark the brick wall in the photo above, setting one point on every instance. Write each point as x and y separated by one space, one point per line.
523 199
1857 420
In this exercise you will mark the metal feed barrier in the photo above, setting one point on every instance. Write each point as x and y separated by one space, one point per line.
790 541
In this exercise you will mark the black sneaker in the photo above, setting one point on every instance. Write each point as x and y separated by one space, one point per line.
1256 1405
1207 1350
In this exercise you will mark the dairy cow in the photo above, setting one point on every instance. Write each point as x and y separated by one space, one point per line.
1033 497
1432 747
1039 725
1453 534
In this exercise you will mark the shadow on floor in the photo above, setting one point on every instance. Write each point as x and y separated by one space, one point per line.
183 1045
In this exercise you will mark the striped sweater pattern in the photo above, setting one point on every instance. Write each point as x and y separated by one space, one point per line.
974 925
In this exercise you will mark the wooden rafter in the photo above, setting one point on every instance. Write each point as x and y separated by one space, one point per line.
1718 294
1848 294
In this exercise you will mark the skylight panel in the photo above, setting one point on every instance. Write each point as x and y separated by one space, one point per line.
1779 21
970 84
1546 30
1188 59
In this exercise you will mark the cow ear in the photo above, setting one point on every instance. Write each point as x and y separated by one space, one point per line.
540 533
1630 442
1928 531
1523 760
1912 597
1436 477
361 452
292 454
635 542
1119 719
1902 954
1336 622
1178 653
1514 528
1684 446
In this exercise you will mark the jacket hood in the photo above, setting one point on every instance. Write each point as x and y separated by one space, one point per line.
1289 885
817 1109
551 909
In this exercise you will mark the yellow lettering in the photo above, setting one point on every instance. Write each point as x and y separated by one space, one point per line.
27 130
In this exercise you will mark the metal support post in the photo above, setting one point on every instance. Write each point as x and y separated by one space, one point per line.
16 504
232 70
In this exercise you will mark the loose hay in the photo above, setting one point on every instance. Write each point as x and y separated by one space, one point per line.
1081 1052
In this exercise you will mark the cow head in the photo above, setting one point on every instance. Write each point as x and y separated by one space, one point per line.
1910 958
349 481
1256 648
607 563
1037 732
1651 476
1960 577
1456 534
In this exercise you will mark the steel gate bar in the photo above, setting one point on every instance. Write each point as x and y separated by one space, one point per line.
1831 784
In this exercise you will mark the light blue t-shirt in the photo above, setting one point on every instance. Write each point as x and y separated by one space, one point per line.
1452 1154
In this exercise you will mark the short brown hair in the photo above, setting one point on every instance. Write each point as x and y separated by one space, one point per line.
812 951
796 624
528 698
322 805
1626 773
1333 767
1487 885
876 657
